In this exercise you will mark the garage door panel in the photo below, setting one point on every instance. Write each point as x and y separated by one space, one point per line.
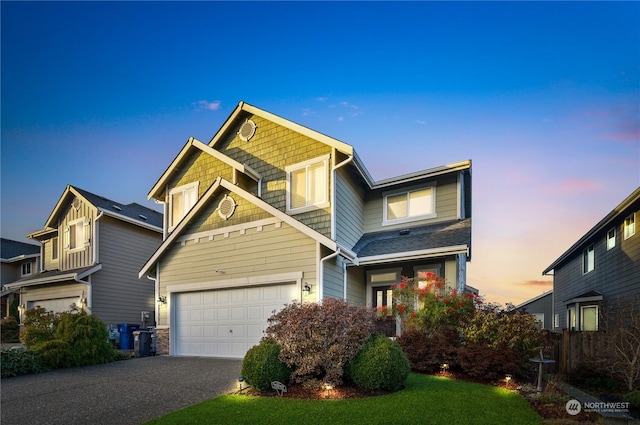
57 305
204 319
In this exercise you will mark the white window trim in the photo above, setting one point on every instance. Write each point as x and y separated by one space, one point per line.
575 325
582 308
584 256
173 191
607 239
30 272
321 159
624 226
556 320
55 248
409 218
84 222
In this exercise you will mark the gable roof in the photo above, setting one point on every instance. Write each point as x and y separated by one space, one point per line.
53 276
132 213
624 208
534 299
11 250
453 236
219 183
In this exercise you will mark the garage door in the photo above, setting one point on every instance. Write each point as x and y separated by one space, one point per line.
57 305
225 322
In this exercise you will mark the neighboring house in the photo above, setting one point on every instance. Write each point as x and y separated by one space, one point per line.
91 251
270 212
601 267
541 307
17 260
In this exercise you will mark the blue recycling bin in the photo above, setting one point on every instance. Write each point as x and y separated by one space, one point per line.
126 335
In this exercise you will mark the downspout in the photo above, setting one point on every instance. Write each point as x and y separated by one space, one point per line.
156 298
95 237
321 272
333 194
344 278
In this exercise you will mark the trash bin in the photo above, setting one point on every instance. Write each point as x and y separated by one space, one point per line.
126 335
142 343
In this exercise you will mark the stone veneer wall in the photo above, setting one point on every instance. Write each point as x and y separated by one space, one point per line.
162 342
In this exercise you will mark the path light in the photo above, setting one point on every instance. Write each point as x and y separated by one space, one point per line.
507 379
444 367
328 386
240 381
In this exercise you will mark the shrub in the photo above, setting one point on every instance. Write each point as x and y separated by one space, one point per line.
56 354
261 365
380 365
485 363
20 362
10 330
39 326
633 398
427 353
318 339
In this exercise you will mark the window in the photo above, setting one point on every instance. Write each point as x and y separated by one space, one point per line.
588 259
589 318
25 269
611 239
571 318
408 206
76 235
556 320
54 248
539 320
629 226
181 200
307 185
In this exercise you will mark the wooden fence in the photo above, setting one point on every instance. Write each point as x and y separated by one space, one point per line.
576 348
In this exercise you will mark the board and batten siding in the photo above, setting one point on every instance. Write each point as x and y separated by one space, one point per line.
74 259
118 296
446 205
349 210
54 291
256 251
616 271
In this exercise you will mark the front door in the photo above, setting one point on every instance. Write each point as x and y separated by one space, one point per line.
382 298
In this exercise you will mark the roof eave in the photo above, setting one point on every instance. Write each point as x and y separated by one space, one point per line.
414 255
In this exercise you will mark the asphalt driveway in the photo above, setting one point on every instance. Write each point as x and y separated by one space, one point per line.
127 392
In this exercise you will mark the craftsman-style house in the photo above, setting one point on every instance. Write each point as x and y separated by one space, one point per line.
91 249
269 212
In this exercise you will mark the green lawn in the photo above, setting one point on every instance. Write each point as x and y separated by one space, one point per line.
425 400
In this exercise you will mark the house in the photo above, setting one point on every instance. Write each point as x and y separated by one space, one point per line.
602 267
17 260
91 249
269 212
541 307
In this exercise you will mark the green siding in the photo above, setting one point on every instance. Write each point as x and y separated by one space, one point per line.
349 210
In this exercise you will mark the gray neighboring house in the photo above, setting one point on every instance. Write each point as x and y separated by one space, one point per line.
541 307
600 268
17 260
91 249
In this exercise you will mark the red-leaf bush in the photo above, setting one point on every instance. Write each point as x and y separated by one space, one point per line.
487 364
428 352
318 339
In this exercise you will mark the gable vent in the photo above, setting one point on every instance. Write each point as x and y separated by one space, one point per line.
247 130
226 207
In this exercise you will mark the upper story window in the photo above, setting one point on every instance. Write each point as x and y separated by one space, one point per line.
629 227
588 259
26 269
181 200
54 248
416 204
611 239
77 235
308 185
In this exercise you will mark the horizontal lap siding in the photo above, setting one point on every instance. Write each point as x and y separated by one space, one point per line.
349 211
356 285
45 292
333 285
118 295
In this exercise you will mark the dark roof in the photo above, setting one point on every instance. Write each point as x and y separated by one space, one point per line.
622 210
54 275
440 235
10 248
133 210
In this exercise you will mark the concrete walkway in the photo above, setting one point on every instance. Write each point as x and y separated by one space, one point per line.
127 392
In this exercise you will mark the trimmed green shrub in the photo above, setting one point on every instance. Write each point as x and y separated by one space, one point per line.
261 365
380 365
39 326
20 362
9 329
56 354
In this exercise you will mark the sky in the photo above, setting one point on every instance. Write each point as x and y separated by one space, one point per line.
543 97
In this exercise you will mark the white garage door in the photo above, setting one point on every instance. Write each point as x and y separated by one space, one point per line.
225 322
57 305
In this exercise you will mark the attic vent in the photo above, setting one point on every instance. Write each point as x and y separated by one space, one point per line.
247 130
142 216
117 208
226 207
404 232
76 203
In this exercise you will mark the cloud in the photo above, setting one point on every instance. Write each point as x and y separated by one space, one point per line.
421 122
205 104
573 186
545 283
307 112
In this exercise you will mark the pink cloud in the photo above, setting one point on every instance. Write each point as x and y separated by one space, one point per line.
573 186
545 283
205 104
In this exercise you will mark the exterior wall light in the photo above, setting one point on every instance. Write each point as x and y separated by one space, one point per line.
306 289
162 299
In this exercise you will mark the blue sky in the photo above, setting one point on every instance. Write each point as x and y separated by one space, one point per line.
544 97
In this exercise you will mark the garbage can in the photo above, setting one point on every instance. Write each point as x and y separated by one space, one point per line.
126 335
142 343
